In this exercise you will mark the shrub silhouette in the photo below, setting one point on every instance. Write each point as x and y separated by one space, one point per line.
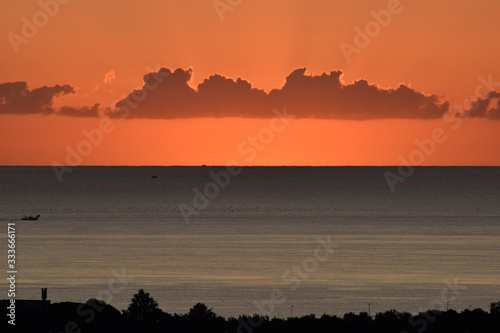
144 315
495 308
200 312
143 307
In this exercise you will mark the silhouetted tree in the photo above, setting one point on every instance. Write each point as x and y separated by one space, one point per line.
495 308
143 315
142 307
200 312
391 321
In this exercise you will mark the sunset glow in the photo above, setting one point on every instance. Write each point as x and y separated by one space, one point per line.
363 82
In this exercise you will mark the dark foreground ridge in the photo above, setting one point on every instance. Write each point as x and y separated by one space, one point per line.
143 315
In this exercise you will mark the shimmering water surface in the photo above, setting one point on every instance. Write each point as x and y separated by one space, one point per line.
436 239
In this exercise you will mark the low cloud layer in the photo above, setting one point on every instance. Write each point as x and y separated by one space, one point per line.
169 95
84 111
486 107
17 98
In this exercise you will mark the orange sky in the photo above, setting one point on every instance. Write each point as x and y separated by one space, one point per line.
439 48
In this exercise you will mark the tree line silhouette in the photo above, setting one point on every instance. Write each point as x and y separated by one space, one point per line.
144 315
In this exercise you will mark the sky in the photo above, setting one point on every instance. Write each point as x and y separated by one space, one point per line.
282 82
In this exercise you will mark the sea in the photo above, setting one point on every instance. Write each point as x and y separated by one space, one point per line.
277 241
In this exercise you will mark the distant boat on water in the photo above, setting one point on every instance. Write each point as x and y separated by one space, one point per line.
30 218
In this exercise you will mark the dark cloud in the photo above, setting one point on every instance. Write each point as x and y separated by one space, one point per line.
219 96
84 111
17 98
167 95
486 107
325 96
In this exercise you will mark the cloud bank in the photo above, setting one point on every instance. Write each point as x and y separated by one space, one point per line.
486 107
306 96
17 98
168 94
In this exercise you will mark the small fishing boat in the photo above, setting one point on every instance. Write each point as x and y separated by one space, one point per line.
30 218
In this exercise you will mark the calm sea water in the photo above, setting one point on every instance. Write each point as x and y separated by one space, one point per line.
257 236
